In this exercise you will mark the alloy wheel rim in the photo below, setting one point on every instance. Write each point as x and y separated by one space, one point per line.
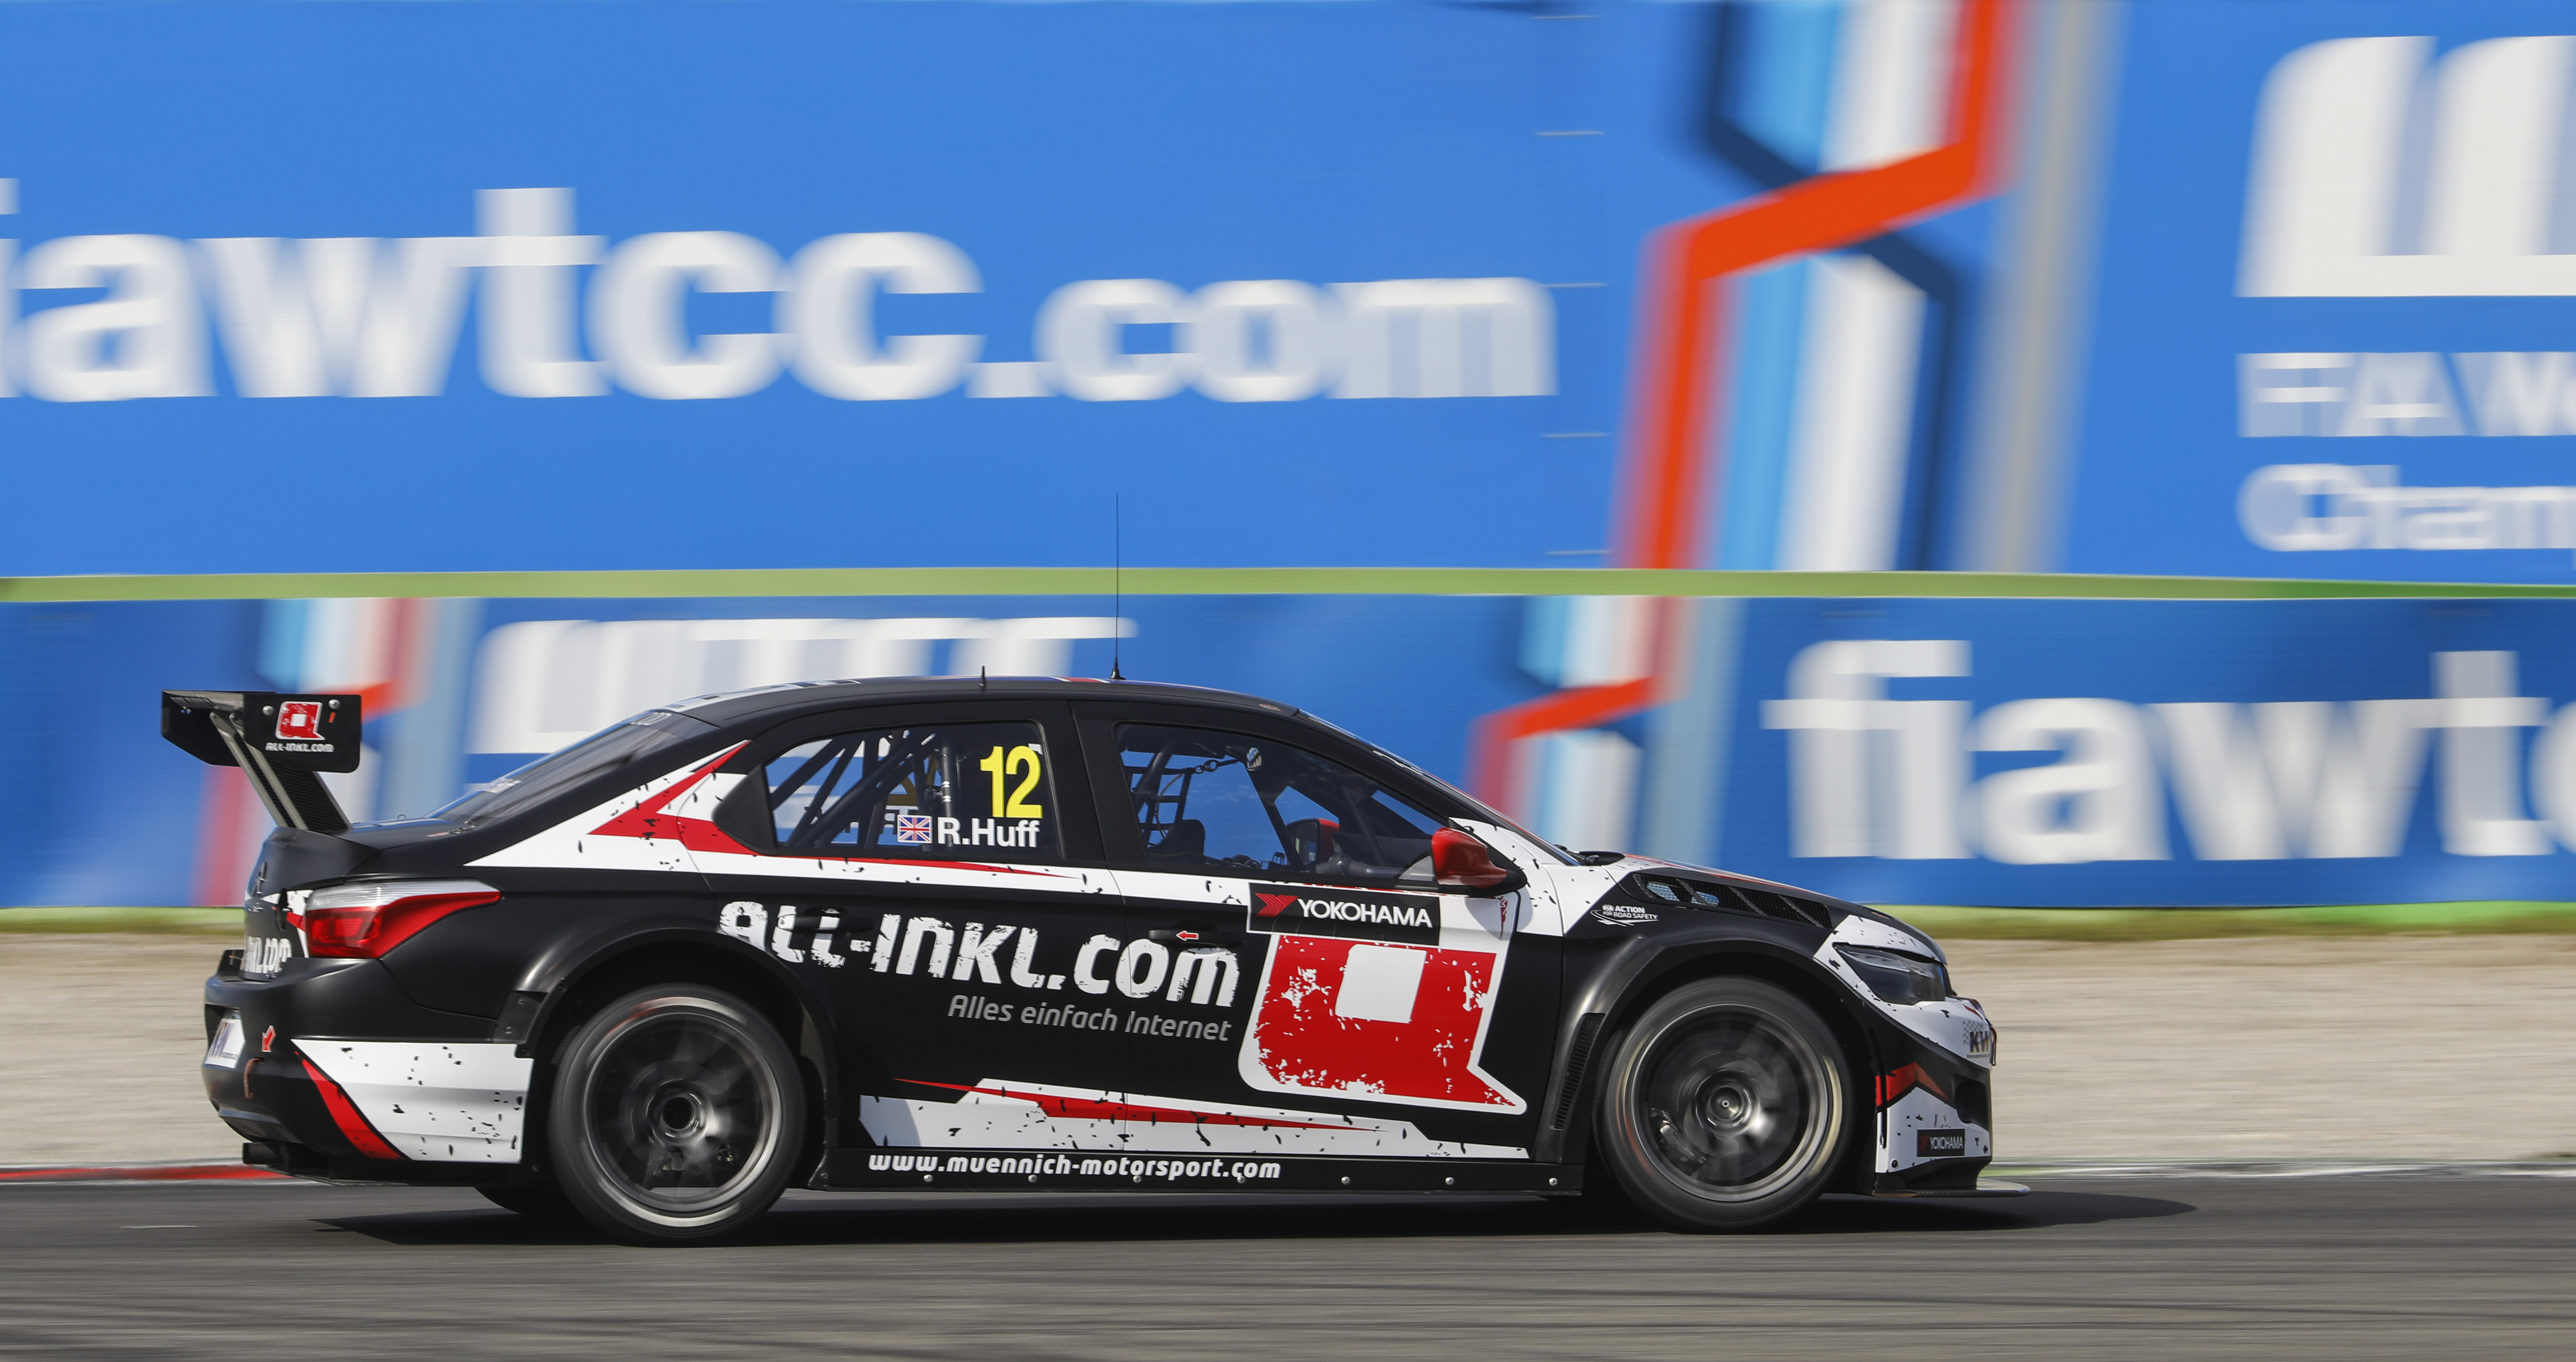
682 1115
1730 1104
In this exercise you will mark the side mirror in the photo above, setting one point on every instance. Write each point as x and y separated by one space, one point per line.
1459 861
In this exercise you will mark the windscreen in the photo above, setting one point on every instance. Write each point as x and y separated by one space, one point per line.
1241 804
626 743
1476 808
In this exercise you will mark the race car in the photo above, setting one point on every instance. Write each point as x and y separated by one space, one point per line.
1042 934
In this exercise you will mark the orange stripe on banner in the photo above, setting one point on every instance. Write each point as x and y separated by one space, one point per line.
1566 709
1673 401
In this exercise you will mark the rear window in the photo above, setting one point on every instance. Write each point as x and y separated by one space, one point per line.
625 744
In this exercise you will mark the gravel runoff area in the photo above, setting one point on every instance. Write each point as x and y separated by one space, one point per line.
2242 1049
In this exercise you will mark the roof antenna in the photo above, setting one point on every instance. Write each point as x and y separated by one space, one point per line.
1117 581
984 677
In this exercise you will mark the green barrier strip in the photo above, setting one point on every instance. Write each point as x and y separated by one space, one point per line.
2174 924
1228 582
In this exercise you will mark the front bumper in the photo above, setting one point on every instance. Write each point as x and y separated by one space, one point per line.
1934 1119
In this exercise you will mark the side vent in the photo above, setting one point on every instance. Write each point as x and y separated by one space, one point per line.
1770 904
1578 1057
1975 1105
1659 889
1672 889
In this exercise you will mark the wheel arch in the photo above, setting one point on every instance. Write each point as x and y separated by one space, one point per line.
576 987
1636 978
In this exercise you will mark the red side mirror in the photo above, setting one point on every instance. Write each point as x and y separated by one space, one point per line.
1462 862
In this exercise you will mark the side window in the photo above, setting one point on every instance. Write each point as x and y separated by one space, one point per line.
1206 800
981 792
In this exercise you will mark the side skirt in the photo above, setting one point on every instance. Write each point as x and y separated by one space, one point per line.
1986 1187
1003 1170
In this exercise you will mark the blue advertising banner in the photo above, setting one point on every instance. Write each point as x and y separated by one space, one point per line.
2037 753
2055 753
542 284
538 285
2192 287
2336 262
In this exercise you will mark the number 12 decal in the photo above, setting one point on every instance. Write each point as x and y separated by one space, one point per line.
1017 805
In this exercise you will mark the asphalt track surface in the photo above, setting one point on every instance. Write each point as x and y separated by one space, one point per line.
2417 1268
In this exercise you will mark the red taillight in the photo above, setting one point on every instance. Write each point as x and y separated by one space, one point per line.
363 922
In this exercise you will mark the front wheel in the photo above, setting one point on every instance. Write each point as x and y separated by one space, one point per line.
1726 1106
676 1116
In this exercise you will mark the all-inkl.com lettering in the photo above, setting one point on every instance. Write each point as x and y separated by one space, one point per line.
1004 955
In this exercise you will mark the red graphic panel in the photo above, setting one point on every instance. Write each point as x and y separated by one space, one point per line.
1376 1020
299 721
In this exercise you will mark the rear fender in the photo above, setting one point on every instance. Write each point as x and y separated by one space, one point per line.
558 974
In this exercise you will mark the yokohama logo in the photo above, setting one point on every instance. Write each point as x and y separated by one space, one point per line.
1400 915
1412 918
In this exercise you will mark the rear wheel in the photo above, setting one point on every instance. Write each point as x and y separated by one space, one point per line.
1725 1107
676 1116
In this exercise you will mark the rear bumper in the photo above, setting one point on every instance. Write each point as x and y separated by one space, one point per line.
340 1074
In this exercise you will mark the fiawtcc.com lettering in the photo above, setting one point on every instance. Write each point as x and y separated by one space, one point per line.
371 317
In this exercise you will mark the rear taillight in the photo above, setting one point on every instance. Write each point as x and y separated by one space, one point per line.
362 921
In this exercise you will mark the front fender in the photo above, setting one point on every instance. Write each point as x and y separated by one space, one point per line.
1613 971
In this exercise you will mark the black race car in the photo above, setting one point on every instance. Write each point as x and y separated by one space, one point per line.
1042 934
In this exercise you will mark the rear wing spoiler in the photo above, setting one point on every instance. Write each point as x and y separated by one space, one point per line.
282 742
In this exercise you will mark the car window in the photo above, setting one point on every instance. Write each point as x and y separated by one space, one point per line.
982 792
1208 800
1476 808
621 745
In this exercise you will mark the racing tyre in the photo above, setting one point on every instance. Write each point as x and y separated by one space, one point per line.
1725 1107
535 1200
676 1116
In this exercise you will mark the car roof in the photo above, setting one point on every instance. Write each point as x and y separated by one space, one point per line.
797 697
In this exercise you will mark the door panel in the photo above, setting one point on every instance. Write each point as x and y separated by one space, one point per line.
1368 992
1388 994
926 865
